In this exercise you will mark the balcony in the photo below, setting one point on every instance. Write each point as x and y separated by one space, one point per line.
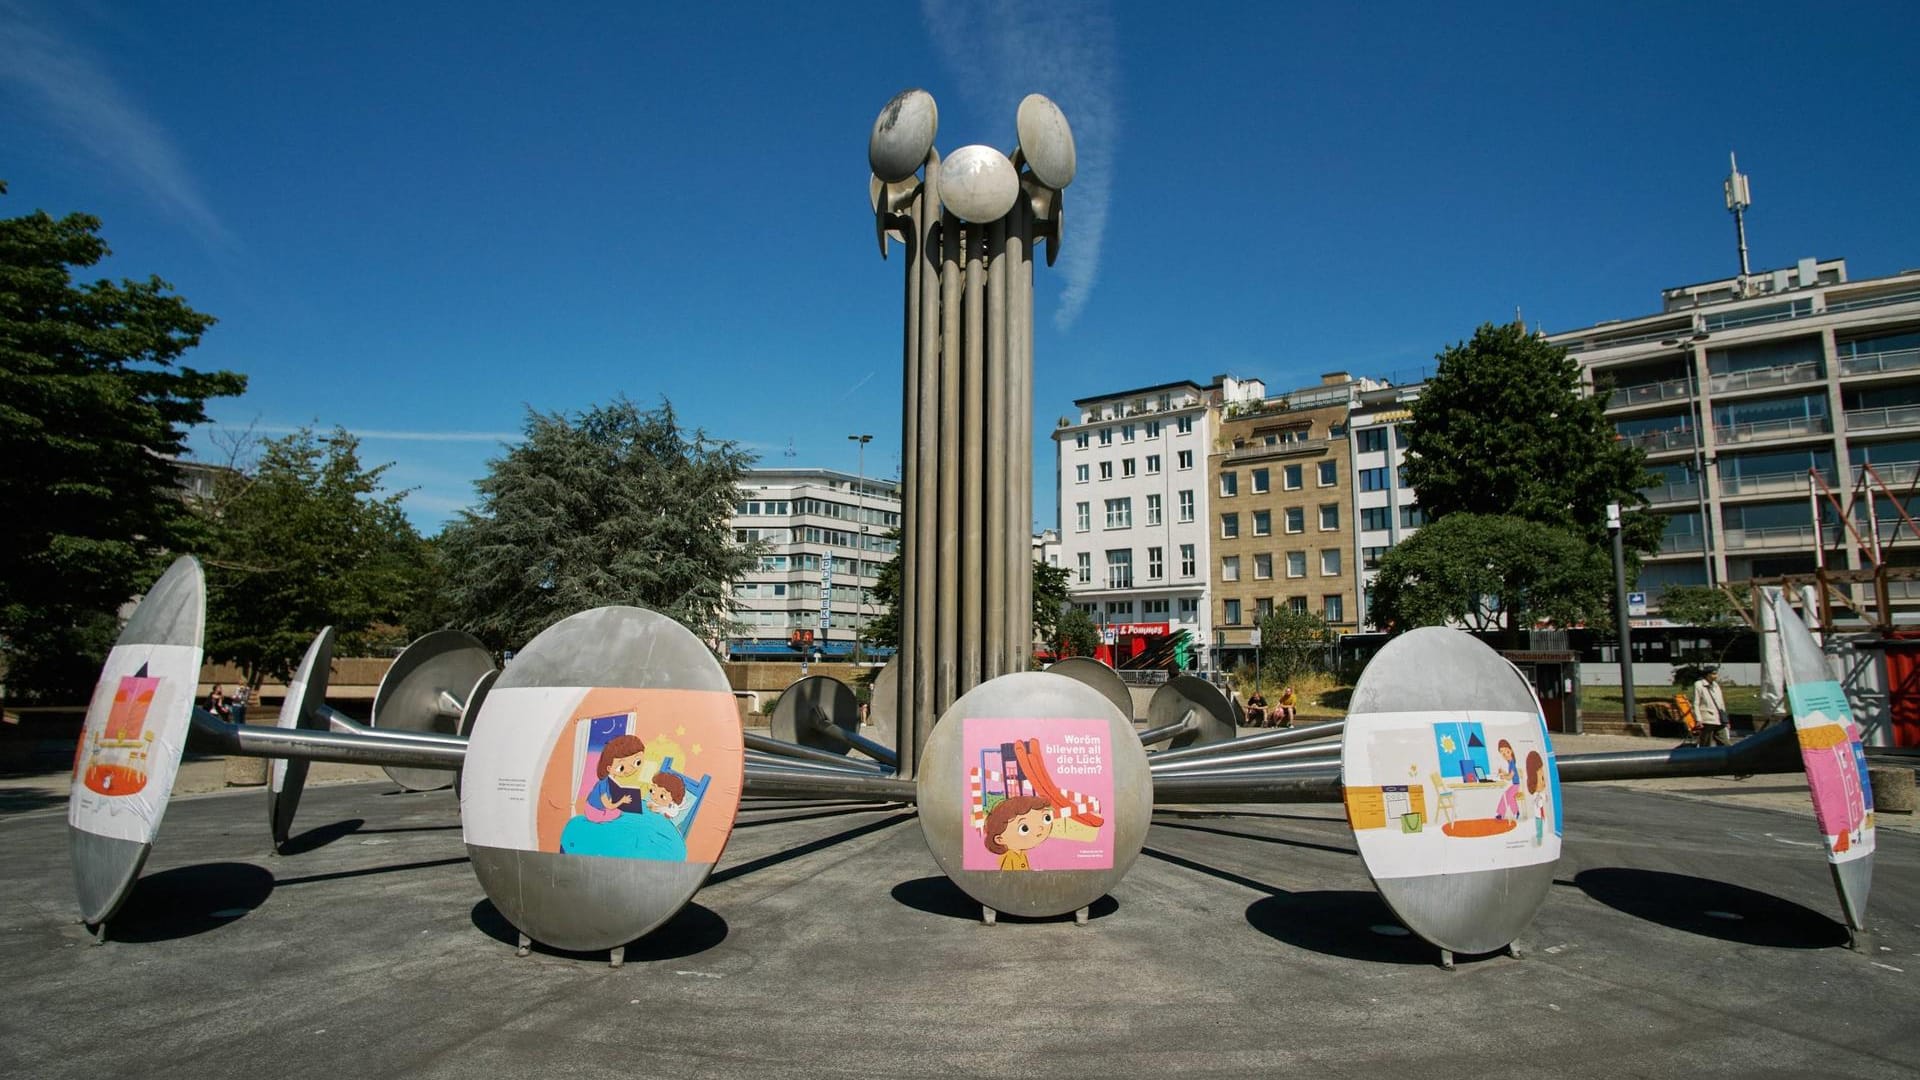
1675 491
1780 483
1650 393
1776 536
1874 301
1678 543
1762 430
1892 473
1654 442
1295 448
1893 416
1879 363
1756 378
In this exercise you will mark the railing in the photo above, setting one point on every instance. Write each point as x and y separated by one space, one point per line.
1649 393
1654 442
1888 417
1685 490
1876 362
1784 483
1795 309
1791 427
1679 542
1782 375
1256 451
1778 536
1892 472
1874 301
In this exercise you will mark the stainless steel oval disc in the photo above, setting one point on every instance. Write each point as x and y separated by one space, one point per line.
883 706
903 135
420 692
1452 790
136 729
602 778
822 695
1034 794
1092 672
300 709
978 183
1191 694
1046 141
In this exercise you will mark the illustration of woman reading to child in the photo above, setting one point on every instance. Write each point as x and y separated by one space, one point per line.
627 814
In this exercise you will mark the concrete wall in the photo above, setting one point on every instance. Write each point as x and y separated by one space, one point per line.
1660 674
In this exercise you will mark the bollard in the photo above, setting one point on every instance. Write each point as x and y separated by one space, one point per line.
1893 791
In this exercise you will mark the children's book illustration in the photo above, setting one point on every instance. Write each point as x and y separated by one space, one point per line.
129 749
1036 790
1836 766
1431 793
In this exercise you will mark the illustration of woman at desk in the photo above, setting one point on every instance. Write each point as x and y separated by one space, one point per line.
1509 770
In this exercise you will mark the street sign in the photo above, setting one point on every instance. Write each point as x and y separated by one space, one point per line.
1636 604
1256 637
826 592
1110 636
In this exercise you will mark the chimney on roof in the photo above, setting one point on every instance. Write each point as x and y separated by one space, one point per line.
1335 378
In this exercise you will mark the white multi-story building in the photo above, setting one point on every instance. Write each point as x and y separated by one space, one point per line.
1132 484
1385 511
826 537
1046 547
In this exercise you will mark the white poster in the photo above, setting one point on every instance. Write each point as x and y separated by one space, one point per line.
1431 793
129 750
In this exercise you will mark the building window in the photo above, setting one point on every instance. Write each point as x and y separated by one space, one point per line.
1183 426
1329 562
1156 563
1335 609
1150 608
1120 568
1296 519
1263 523
1184 459
1126 468
1229 526
1373 439
1290 478
1086 567
1373 479
1230 609
1119 513
1186 506
1189 608
1080 440
1153 509
1372 556
1106 436
1230 568
1376 517
1229 485
1296 564
1260 481
1082 516
1401 472
1120 609
1126 432
1411 517
1263 566
1329 516
1153 429
1329 474
1186 560
1106 470
1079 474
1153 464
1262 608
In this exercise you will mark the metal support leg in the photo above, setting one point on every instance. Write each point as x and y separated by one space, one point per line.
99 932
1446 959
1513 950
617 956
988 915
525 947
1080 917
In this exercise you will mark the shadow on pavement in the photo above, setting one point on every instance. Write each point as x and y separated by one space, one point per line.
870 808
189 900
693 929
940 896
22 799
320 836
1712 909
369 871
778 857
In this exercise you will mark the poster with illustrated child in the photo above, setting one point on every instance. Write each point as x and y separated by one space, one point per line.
1038 792
130 748
610 773
1451 792
1836 768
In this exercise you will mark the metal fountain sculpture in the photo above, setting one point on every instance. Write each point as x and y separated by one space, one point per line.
600 774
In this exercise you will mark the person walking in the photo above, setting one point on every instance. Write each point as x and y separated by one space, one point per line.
1710 710
237 704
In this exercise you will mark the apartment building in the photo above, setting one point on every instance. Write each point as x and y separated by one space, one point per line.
1742 390
1385 510
1281 526
825 537
1132 487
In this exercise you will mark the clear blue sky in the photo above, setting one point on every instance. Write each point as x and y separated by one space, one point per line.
418 221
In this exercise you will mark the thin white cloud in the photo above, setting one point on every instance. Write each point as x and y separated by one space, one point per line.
381 434
83 102
1001 51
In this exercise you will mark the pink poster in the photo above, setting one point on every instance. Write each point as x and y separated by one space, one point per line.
1038 792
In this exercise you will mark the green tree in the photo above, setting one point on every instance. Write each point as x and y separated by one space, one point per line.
883 628
307 538
1292 644
613 505
1711 611
1504 429
1078 635
94 408
1049 598
1487 571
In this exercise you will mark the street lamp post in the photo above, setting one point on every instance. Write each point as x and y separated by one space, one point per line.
860 513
